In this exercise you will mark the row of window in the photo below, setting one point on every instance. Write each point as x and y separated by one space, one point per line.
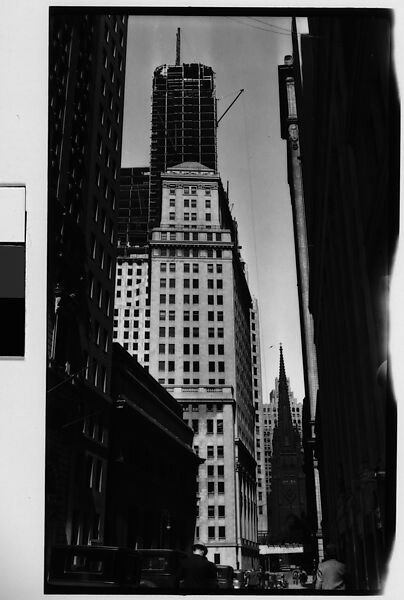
115 24
130 325
190 203
109 128
131 312
192 349
215 487
100 217
130 294
171 283
110 98
85 529
210 426
94 472
187 381
187 331
219 511
96 374
128 282
98 293
212 451
100 336
130 271
188 252
186 190
93 427
100 256
106 190
172 216
187 268
171 298
188 365
187 236
213 471
196 407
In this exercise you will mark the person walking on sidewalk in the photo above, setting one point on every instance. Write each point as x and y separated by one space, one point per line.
331 573
197 572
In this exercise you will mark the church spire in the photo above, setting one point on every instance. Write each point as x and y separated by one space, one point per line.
285 434
283 395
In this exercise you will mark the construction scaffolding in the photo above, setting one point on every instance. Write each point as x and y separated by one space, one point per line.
183 123
132 220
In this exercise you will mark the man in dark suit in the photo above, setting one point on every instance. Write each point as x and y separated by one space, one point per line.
331 573
197 572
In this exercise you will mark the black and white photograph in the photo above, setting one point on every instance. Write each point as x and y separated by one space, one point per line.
201 384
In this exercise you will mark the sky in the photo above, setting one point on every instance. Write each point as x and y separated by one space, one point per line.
244 53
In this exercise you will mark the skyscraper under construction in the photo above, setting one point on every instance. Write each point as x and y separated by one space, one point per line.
183 123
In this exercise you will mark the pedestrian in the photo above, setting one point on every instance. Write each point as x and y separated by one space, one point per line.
295 576
261 578
253 580
197 572
302 577
331 572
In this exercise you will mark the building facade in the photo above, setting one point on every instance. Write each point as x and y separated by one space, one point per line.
290 131
259 424
201 352
132 303
152 499
86 84
348 137
133 208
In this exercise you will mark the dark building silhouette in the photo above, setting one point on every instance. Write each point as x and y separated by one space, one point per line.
86 82
288 494
183 123
348 139
152 493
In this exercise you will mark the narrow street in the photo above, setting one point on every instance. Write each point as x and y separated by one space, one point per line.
298 586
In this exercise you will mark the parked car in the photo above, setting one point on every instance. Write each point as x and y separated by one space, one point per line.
160 568
281 582
224 577
238 579
85 569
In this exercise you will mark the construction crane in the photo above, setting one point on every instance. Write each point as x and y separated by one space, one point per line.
229 107
178 62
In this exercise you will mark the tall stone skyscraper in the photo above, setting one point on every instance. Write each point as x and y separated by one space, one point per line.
288 494
260 455
183 123
86 86
200 350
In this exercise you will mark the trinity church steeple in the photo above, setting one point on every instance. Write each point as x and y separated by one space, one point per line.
286 436
288 496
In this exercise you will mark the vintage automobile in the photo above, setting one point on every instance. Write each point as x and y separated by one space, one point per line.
87 569
224 577
281 582
238 579
160 568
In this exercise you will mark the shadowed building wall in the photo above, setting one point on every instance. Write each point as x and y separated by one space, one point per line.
349 133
